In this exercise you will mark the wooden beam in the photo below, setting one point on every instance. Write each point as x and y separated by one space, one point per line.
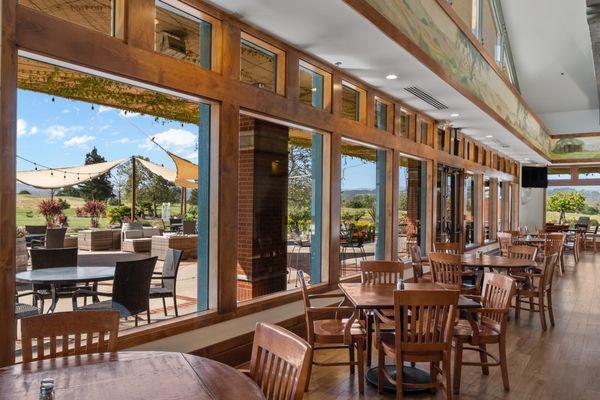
139 27
8 145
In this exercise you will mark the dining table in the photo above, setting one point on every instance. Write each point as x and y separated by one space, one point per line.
381 297
68 276
129 375
497 263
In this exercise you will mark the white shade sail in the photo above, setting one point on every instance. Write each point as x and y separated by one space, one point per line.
168 174
57 178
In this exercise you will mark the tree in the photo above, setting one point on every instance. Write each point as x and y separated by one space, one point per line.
72 191
99 188
157 190
193 199
120 179
300 177
564 202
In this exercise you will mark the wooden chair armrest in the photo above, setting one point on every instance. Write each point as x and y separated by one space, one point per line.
475 297
380 318
325 296
245 371
489 310
323 310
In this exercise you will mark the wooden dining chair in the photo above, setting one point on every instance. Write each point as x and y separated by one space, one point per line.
334 327
504 242
446 271
540 288
379 273
591 237
88 332
554 244
418 262
486 325
425 336
448 247
523 252
280 362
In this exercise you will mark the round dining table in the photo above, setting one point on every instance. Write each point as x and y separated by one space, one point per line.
129 375
495 262
68 276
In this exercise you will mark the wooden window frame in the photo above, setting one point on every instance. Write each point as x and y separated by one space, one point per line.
362 101
326 82
280 67
389 114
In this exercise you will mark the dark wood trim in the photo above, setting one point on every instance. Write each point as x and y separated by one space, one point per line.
335 208
573 135
395 34
140 16
8 146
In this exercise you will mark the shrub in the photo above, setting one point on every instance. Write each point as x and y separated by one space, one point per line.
64 205
50 209
24 192
93 209
117 215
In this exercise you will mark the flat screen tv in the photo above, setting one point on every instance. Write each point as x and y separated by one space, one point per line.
534 177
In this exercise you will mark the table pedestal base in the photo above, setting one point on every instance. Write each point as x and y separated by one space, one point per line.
409 375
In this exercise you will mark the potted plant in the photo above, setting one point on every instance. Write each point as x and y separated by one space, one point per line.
93 209
50 209
21 249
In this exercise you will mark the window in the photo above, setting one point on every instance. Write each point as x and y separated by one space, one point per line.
315 86
441 139
383 115
262 65
363 188
555 174
181 34
404 123
487 209
350 103
280 207
489 29
412 191
500 210
424 132
469 209
589 173
447 200
109 119
93 14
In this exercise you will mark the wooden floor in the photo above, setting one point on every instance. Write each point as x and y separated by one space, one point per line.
561 363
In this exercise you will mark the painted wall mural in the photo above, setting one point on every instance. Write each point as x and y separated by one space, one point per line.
575 148
428 25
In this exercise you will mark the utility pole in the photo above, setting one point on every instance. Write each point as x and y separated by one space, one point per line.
133 188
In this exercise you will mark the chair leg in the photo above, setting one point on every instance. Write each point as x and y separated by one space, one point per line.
351 354
550 309
148 314
447 377
164 306
458 352
542 311
310 364
483 358
399 377
136 320
175 305
517 307
369 318
433 373
361 365
380 366
503 362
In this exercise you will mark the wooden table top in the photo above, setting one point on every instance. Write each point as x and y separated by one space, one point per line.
129 375
368 297
497 262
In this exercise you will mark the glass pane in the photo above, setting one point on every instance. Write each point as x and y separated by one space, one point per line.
350 103
500 206
447 224
182 36
363 205
489 29
94 14
441 138
559 173
279 205
311 87
469 209
424 131
411 205
258 66
83 118
404 124
589 173
487 210
381 110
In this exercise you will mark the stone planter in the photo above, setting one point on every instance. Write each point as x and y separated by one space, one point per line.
22 258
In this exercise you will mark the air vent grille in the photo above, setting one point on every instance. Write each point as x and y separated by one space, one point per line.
426 97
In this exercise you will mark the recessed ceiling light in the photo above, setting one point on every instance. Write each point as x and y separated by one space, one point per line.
391 77
489 136
455 115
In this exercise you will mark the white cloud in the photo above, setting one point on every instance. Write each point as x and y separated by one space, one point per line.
59 131
124 140
24 130
66 111
103 109
127 114
79 140
177 140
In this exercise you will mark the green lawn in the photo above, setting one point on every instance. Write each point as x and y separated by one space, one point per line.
552 216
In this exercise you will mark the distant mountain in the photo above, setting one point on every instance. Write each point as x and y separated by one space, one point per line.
590 195
32 190
347 194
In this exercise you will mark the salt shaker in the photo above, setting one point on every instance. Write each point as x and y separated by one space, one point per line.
400 284
47 389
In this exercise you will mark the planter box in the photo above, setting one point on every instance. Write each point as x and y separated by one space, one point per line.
22 257
187 243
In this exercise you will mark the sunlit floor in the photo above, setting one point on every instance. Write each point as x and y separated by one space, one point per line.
561 363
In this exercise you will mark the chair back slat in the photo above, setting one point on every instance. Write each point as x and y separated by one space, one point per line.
417 261
554 243
69 327
446 270
548 273
504 242
381 272
55 238
448 247
498 290
280 362
424 319
522 252
171 268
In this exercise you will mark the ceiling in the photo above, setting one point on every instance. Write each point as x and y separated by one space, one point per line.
554 62
335 32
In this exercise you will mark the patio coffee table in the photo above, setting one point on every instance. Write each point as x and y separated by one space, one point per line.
65 275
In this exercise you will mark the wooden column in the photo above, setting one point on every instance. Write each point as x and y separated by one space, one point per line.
431 204
394 185
335 209
8 142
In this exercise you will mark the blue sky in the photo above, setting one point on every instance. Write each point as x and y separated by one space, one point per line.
60 133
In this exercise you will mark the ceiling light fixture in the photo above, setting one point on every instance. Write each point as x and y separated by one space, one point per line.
391 77
454 115
489 136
